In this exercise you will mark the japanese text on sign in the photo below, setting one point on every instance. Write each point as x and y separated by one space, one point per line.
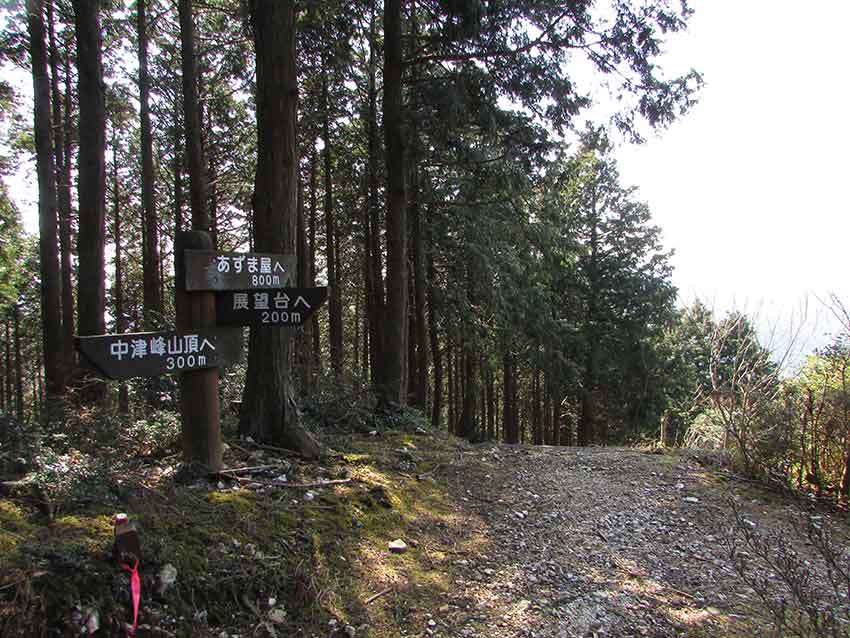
274 308
179 351
209 270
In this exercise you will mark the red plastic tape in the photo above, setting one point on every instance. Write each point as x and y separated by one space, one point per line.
135 591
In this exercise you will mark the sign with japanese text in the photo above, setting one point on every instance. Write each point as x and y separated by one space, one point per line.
210 270
150 354
281 307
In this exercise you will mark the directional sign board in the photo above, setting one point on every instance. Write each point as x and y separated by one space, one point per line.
150 354
281 307
210 270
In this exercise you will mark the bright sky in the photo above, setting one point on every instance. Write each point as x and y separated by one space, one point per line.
750 187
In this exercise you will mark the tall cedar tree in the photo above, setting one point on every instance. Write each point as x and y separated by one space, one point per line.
268 411
91 284
151 287
63 186
47 206
395 318
192 120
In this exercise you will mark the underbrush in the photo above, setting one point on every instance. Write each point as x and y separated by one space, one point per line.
350 406
790 587
231 554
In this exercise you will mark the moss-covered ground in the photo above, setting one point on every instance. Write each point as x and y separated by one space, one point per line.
252 558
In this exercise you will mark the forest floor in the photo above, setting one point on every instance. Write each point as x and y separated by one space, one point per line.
501 541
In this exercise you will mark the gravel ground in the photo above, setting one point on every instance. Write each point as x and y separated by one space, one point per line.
561 542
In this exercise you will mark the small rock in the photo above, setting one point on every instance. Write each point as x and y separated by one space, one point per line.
166 578
277 616
680 486
432 623
91 620
691 499
398 546
309 495
350 631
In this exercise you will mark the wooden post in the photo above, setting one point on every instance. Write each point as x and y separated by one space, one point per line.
199 406
668 430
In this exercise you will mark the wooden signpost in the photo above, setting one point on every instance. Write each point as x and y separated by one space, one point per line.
211 289
284 307
210 270
151 354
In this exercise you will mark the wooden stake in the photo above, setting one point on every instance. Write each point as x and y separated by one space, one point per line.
201 431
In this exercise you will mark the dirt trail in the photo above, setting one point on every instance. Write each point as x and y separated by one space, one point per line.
580 542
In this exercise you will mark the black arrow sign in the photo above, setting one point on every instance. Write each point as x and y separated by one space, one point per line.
151 354
210 270
279 308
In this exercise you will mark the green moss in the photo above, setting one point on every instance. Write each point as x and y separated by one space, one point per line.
237 499
318 558
12 516
14 527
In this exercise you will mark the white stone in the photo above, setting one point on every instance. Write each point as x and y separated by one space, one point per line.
398 546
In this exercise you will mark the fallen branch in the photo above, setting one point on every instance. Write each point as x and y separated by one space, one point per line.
681 593
274 448
255 468
375 597
23 579
429 472
305 486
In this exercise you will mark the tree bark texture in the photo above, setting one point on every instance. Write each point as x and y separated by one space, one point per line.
420 332
91 284
510 412
51 318
63 202
332 251
468 420
192 119
395 324
69 320
118 293
376 287
268 411
10 373
19 365
314 321
177 168
151 284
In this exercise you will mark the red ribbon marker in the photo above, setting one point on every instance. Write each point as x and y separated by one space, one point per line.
135 591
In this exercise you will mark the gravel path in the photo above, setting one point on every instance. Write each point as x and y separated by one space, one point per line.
561 542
